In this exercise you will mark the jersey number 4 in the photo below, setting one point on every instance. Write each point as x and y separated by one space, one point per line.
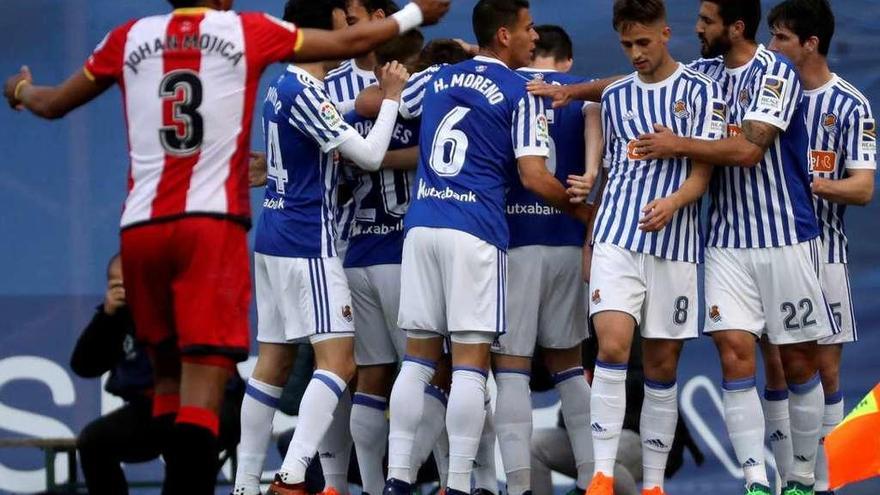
181 93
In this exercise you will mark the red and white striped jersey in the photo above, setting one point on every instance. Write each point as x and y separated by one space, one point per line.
188 80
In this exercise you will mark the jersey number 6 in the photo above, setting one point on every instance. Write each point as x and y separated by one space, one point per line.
450 145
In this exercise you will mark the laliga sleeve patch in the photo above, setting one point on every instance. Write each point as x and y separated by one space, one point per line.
330 115
542 127
868 139
772 94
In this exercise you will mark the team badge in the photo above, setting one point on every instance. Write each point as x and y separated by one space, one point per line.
771 94
869 136
715 314
537 76
680 110
597 297
480 69
829 122
718 119
330 115
346 313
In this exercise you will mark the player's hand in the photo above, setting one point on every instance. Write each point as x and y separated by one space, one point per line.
392 79
663 143
12 83
472 50
432 10
819 185
587 261
579 187
258 170
559 95
114 298
658 213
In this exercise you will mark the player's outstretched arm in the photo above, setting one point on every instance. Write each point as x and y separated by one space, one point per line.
565 94
857 188
536 178
743 150
318 44
659 212
52 102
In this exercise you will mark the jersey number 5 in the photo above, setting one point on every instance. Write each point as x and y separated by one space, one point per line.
450 145
182 134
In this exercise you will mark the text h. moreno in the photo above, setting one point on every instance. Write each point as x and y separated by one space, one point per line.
479 83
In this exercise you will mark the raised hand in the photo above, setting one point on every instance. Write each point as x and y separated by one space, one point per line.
432 10
392 79
13 86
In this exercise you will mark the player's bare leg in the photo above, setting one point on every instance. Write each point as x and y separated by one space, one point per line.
334 362
466 411
369 425
513 422
614 331
423 350
263 391
566 367
736 348
659 409
776 417
806 408
829 369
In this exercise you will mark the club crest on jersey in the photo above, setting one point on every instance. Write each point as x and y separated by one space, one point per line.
537 76
480 69
715 314
680 110
869 136
770 96
346 313
829 122
330 115
597 297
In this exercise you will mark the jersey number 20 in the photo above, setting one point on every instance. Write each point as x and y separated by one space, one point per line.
450 145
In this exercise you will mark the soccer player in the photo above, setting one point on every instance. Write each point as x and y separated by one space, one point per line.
188 80
477 120
763 241
842 140
547 305
647 239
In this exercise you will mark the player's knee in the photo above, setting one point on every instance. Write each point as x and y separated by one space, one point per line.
613 352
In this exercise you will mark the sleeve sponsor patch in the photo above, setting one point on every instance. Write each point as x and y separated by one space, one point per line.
868 139
718 118
772 94
542 127
330 115
823 161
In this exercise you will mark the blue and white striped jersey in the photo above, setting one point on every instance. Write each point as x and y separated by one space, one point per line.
301 127
691 105
771 204
381 200
477 119
343 84
843 136
531 221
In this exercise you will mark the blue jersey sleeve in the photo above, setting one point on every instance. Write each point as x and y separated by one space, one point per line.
530 131
860 138
313 114
414 92
710 113
778 96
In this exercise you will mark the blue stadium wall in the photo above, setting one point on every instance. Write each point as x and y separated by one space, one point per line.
62 186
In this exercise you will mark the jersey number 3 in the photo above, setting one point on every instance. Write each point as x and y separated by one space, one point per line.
181 94
450 145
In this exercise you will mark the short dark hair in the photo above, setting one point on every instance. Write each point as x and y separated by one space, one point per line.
401 48
315 14
554 42
629 12
491 15
182 4
805 18
387 6
441 51
747 11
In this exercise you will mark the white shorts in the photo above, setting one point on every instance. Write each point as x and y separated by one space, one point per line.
835 284
451 281
772 290
660 294
301 298
546 300
375 295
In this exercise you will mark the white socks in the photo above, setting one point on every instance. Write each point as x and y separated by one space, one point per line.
657 426
806 408
484 474
464 422
607 408
513 426
778 425
745 426
407 403
315 415
834 412
369 430
433 424
574 392
335 447
257 411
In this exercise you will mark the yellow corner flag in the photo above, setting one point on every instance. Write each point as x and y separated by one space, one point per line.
853 448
